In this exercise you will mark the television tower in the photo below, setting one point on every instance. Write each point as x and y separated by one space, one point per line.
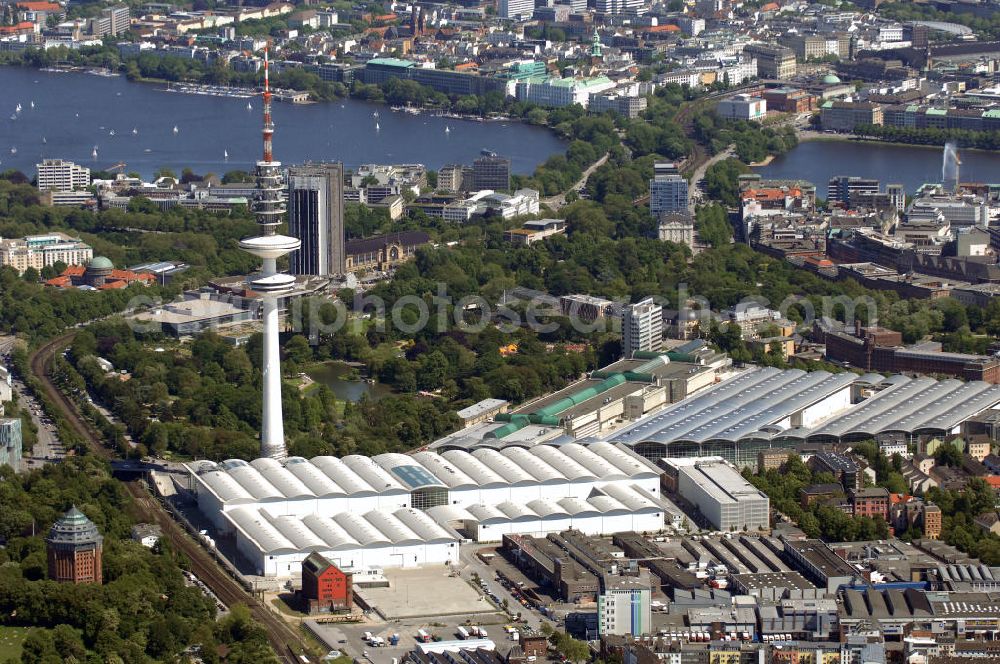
268 208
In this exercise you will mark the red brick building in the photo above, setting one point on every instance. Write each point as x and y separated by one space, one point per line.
881 349
100 274
871 502
74 548
932 521
325 588
789 100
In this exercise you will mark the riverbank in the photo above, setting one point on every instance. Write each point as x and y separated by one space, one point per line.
219 134
817 136
828 156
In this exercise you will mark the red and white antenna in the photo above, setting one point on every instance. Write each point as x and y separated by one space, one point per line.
268 130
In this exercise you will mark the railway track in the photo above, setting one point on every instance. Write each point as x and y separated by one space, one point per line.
284 640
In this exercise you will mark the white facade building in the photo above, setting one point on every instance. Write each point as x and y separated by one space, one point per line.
546 91
59 175
515 9
611 509
642 327
6 386
599 488
720 493
618 6
277 545
623 606
38 251
742 107
677 228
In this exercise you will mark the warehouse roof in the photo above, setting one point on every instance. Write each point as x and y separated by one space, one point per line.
274 535
742 405
915 405
237 482
611 499
757 404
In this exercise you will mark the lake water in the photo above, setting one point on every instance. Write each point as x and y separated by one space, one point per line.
76 112
334 375
818 161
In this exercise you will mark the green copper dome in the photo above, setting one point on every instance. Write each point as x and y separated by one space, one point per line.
74 529
831 79
101 263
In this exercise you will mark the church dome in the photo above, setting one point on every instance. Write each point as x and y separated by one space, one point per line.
831 79
100 263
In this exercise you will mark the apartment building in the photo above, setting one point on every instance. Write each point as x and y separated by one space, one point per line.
642 327
38 251
776 62
61 175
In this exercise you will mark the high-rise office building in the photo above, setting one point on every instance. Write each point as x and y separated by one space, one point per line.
450 177
642 327
842 188
119 17
59 175
316 218
618 6
515 9
10 442
668 190
623 607
491 171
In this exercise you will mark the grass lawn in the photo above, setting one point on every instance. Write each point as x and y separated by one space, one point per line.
11 639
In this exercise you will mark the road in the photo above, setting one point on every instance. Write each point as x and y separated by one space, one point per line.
47 448
284 639
473 565
695 194
559 200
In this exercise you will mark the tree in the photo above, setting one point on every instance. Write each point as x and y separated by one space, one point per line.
948 455
712 224
722 181
297 349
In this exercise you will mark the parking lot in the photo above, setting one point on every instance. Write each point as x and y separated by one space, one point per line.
350 638
428 591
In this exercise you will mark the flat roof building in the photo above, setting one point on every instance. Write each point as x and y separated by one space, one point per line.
720 493
767 408
60 175
623 607
819 563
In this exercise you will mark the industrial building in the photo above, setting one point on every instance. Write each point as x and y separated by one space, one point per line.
276 546
623 607
397 510
325 588
612 509
621 392
820 564
769 408
719 493
549 566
